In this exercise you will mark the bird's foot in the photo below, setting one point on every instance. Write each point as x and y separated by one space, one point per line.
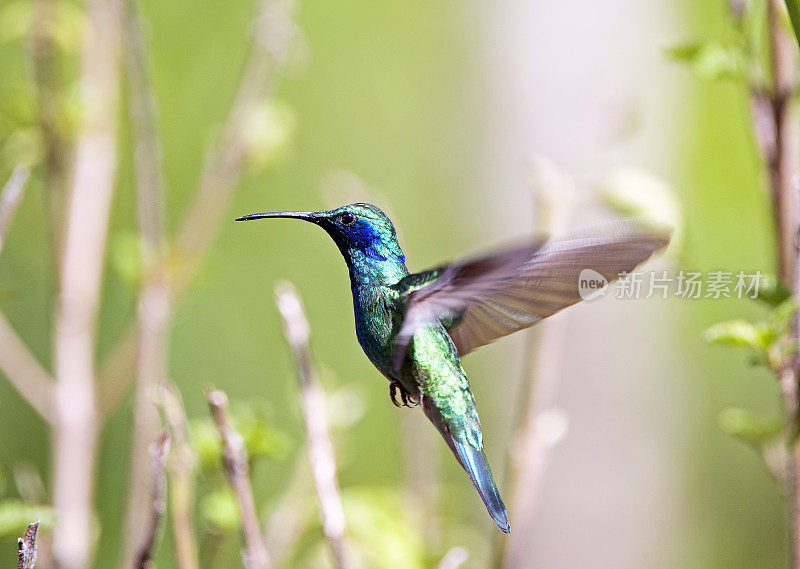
405 396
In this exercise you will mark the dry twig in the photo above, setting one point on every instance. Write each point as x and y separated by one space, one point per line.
26 557
320 448
155 301
181 478
10 197
238 469
25 372
159 449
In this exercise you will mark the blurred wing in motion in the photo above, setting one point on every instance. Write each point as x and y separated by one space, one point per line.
489 297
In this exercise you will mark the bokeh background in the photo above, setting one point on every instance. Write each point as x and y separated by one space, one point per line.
441 112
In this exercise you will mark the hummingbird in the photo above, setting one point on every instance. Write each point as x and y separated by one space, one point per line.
416 327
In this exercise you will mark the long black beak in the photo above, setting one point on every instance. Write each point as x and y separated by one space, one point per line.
311 216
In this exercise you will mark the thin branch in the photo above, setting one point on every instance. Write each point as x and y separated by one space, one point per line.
273 32
26 557
159 449
181 478
783 164
25 372
17 362
117 371
775 129
320 448
237 466
10 198
541 425
155 308
75 426
784 169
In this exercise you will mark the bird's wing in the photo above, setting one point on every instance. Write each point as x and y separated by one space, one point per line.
492 296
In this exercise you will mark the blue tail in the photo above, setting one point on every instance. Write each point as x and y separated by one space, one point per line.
474 462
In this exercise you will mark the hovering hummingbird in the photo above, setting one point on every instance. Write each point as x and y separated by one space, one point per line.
415 327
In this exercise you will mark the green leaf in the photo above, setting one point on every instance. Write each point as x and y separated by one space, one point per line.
384 527
781 317
23 146
793 8
750 427
16 515
710 60
683 52
261 440
65 23
739 333
206 444
772 291
220 509
126 257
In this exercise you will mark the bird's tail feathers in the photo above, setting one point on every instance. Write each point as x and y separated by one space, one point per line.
475 463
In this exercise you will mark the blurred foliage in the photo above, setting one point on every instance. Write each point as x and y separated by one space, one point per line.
18 19
768 340
384 528
749 427
220 509
793 10
15 515
261 439
710 60
388 91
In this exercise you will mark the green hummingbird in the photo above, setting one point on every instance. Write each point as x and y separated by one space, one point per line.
416 327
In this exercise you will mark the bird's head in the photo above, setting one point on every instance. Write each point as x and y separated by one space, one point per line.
360 230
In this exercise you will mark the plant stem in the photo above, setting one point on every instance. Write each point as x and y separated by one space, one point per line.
75 428
238 469
775 129
155 301
17 362
784 170
320 447
159 450
181 478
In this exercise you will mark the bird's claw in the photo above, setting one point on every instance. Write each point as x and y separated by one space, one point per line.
405 397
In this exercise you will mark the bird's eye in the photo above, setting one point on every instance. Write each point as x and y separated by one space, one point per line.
347 219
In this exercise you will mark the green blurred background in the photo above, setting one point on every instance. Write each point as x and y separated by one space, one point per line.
413 99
